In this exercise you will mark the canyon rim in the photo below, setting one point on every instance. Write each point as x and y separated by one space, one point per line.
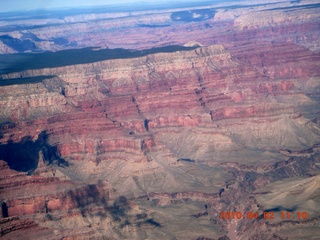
176 120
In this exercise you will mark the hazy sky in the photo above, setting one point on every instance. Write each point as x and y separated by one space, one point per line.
18 5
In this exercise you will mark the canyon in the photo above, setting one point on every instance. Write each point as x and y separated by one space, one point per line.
151 124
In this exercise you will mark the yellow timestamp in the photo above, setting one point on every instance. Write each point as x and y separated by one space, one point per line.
265 215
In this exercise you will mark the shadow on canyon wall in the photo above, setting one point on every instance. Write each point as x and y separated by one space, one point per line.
24 156
119 209
29 80
17 44
10 63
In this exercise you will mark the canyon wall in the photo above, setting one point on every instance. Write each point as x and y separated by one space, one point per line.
147 147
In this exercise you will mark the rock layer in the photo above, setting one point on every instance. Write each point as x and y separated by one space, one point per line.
180 136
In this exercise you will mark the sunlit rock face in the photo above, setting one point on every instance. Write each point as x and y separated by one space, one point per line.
162 143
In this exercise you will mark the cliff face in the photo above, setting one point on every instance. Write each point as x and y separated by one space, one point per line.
139 100
50 205
164 26
180 136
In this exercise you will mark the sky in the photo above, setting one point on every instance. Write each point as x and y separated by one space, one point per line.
19 5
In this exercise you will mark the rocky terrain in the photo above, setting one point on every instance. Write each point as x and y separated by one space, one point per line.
162 144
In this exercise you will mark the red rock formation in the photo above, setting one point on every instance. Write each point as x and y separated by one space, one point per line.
32 203
202 127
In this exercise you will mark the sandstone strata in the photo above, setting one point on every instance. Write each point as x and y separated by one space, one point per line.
180 136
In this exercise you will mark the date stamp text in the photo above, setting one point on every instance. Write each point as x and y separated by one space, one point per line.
265 215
